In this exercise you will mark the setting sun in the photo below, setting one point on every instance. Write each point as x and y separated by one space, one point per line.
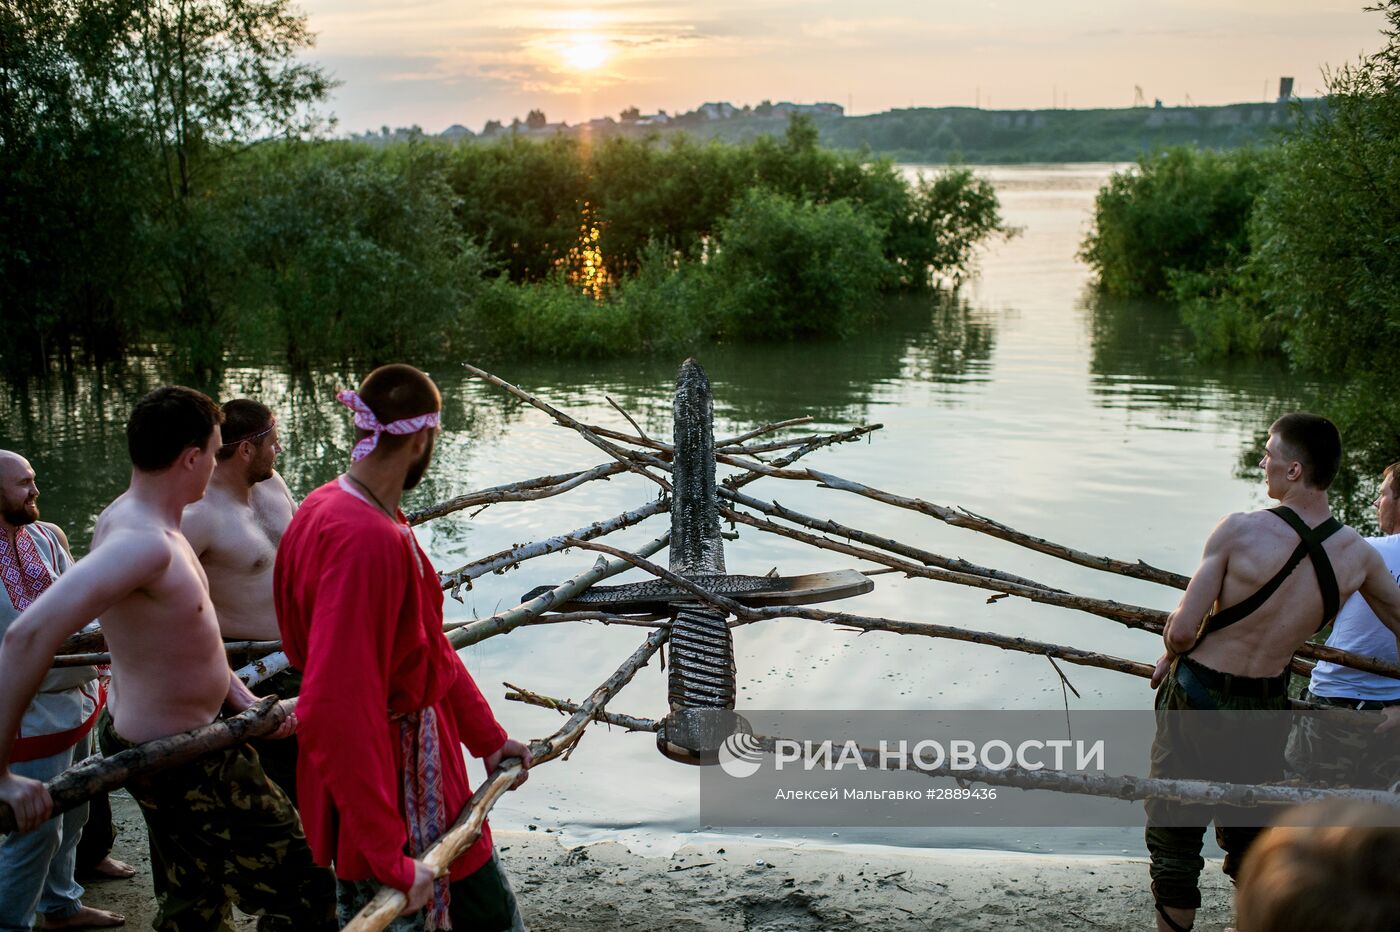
586 52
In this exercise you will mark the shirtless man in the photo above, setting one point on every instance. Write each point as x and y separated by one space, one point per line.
1248 607
234 530
218 829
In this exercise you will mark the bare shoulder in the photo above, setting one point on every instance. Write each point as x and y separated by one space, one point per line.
128 555
198 522
277 482
273 495
1352 546
139 544
1235 528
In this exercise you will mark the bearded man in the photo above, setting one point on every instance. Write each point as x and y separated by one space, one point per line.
36 867
386 704
234 530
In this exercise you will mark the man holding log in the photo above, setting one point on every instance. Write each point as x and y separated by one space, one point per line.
1230 641
218 829
234 530
1342 754
37 867
386 705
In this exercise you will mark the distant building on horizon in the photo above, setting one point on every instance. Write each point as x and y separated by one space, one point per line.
819 109
723 110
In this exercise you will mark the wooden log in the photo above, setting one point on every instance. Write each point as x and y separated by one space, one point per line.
565 707
966 519
505 559
732 447
557 618
1130 615
765 429
927 558
1204 792
388 902
527 490
77 785
84 642
622 456
845 436
263 669
90 660
1134 616
479 630
816 443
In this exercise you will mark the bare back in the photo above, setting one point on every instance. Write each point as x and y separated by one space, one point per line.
1252 548
236 542
169 671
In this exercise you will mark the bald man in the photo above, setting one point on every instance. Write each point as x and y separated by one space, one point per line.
36 868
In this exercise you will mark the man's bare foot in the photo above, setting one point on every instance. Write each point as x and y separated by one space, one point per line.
109 868
86 918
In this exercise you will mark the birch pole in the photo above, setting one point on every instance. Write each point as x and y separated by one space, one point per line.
1198 792
388 902
478 630
1131 615
77 785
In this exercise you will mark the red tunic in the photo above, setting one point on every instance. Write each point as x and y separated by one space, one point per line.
360 610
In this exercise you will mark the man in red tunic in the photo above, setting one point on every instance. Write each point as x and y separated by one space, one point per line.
386 705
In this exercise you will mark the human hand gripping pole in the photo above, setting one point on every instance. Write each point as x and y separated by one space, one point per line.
77 785
389 903
426 870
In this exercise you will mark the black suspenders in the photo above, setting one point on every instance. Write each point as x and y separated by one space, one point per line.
1309 545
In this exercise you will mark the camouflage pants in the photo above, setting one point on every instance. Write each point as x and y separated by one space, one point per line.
279 757
1175 831
1342 749
482 901
221 833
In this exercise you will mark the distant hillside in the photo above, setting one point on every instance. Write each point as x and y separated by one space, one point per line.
992 136
956 133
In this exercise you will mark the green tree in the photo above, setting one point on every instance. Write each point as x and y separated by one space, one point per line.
70 195
1180 210
789 269
205 80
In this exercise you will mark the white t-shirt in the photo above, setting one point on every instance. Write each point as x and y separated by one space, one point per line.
1357 629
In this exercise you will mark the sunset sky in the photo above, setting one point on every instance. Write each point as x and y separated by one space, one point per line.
435 63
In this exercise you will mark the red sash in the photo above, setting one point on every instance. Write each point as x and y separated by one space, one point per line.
41 746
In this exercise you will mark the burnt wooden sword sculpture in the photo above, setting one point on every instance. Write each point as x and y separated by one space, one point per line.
701 689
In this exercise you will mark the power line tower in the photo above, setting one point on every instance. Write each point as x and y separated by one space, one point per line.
1138 99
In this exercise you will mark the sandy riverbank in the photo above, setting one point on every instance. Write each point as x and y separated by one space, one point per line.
722 885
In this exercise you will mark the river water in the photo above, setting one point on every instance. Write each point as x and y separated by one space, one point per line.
1024 398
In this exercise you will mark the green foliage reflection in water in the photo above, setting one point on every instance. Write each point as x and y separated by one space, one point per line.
1302 259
